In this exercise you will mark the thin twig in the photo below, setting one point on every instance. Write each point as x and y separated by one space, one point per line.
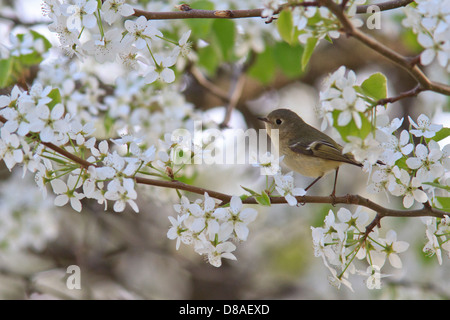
208 85
410 93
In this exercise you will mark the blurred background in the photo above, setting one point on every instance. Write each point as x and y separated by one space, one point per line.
128 255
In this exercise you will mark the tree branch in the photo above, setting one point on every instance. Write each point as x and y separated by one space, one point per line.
187 12
225 198
384 6
410 93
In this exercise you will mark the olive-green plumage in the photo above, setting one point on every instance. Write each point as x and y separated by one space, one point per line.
306 150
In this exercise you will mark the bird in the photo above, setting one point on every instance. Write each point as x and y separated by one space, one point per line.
306 149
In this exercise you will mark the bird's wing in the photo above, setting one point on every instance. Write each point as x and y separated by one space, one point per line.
323 149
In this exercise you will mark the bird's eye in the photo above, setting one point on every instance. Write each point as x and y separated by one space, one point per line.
278 121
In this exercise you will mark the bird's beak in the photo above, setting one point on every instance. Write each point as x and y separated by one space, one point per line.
264 119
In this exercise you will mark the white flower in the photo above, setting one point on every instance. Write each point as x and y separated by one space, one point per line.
106 48
185 46
397 148
114 9
21 47
356 221
427 162
11 100
238 218
49 123
9 148
409 188
161 70
424 127
217 248
140 32
19 119
270 7
368 149
267 162
81 14
177 229
122 194
66 192
340 94
391 248
284 184
434 47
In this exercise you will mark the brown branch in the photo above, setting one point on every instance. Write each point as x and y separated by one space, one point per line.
234 99
410 93
383 6
208 85
187 13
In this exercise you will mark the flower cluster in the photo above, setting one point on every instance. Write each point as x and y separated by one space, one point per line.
342 241
430 20
409 171
33 118
403 169
314 22
211 229
133 43
340 94
437 233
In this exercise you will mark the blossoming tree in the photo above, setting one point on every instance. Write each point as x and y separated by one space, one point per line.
87 141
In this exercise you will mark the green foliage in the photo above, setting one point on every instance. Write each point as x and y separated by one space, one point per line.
445 202
441 134
375 87
264 66
309 49
288 59
5 71
14 67
200 27
55 95
285 25
224 31
352 129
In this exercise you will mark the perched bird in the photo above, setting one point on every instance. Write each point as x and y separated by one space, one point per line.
306 150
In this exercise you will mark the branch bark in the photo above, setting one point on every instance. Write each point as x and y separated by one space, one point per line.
187 13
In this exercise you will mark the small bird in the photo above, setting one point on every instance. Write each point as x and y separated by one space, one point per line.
306 150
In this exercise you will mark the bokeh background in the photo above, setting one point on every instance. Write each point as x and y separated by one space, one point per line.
128 255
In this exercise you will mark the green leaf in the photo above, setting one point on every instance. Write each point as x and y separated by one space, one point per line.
309 49
437 185
351 129
224 30
5 72
441 134
264 67
200 27
285 26
252 192
375 86
56 98
288 58
445 202
208 59
263 199
37 35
